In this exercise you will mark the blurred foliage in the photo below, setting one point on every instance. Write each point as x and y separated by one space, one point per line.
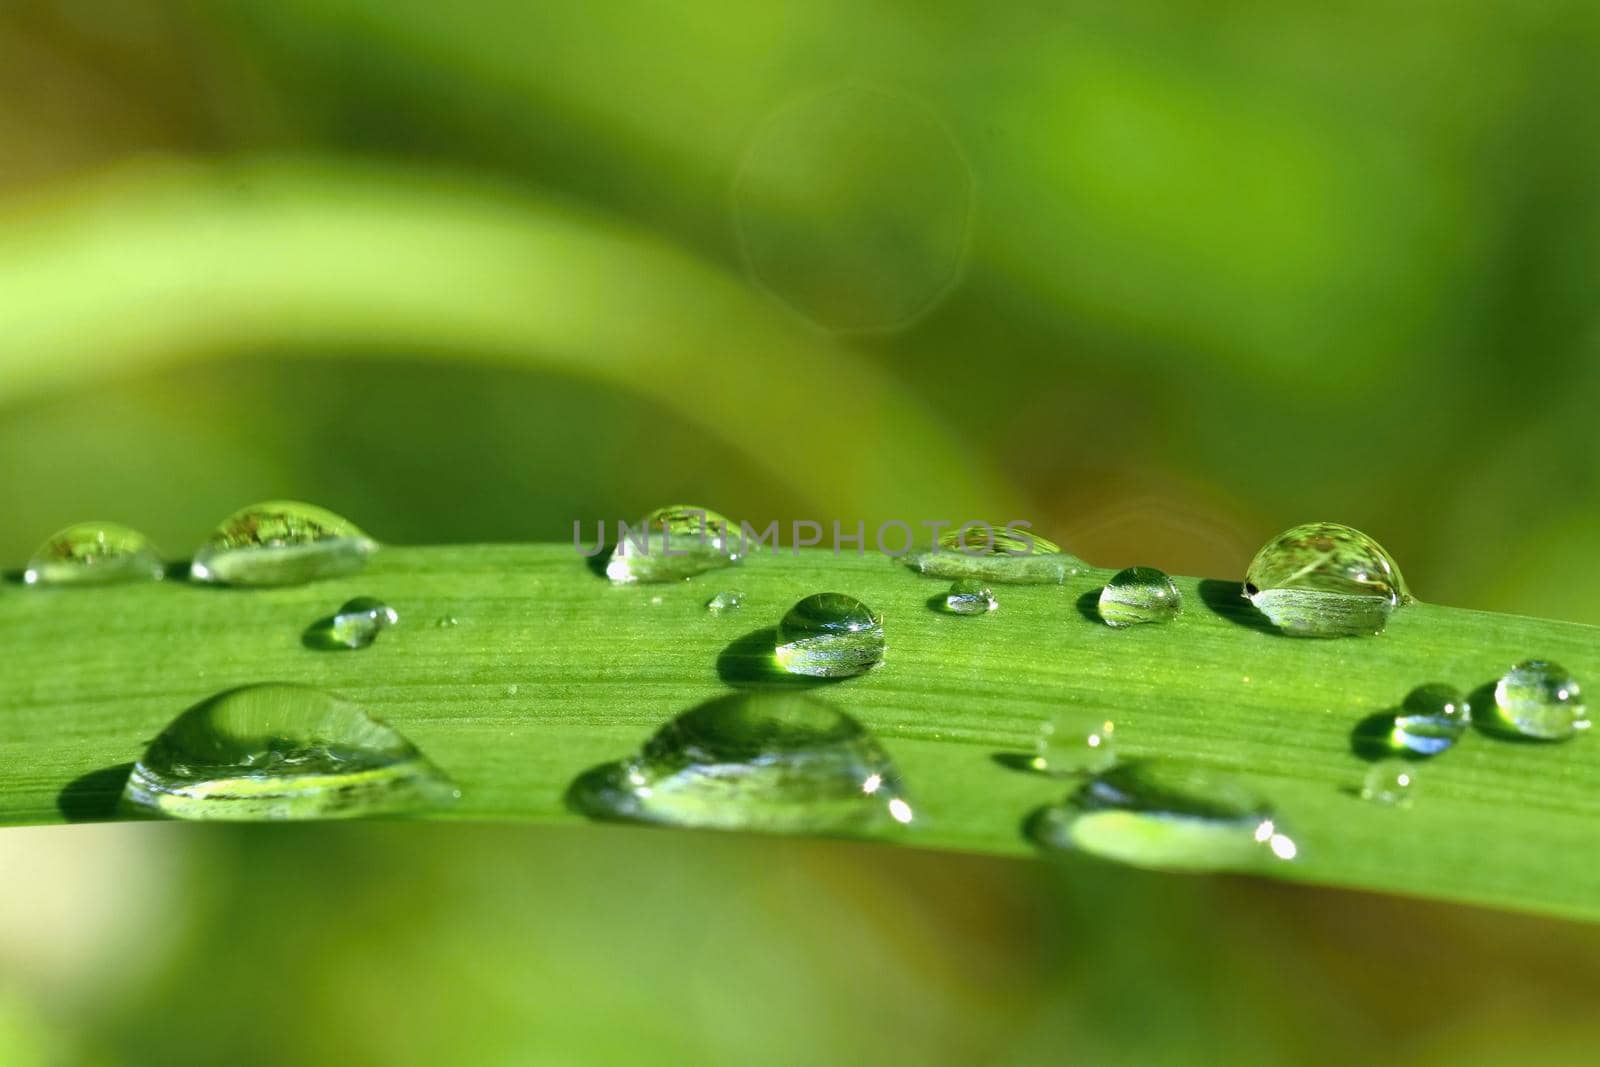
1227 267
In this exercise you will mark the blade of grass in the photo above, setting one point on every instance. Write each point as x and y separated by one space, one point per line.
551 670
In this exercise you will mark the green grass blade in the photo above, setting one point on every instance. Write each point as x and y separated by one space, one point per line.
551 670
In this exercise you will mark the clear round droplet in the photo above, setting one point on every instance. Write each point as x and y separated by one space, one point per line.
783 762
1541 700
1076 743
830 635
355 625
968 596
852 207
673 543
281 542
94 553
1139 595
1433 718
995 552
1166 815
1389 782
727 600
1322 579
269 752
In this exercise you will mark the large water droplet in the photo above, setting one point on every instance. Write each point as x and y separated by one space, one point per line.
1540 699
968 596
1389 782
1432 718
94 553
996 552
1322 579
785 762
674 543
1154 813
727 600
281 542
356 625
1076 743
1138 595
282 752
830 635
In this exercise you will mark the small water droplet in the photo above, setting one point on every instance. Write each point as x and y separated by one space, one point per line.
1138 595
281 542
356 625
445 622
1540 699
1389 782
674 543
727 600
1155 813
1322 579
1432 719
94 553
1076 743
968 596
282 752
513 689
830 635
996 552
785 762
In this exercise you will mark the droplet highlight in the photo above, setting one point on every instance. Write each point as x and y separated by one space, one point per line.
1322 579
830 635
94 553
1139 595
1168 816
274 752
1075 743
968 596
1432 718
674 543
1389 782
782 762
281 542
1541 700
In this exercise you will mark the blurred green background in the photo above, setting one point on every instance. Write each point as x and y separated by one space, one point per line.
1162 278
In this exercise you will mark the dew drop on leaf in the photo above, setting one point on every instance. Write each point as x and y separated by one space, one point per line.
783 762
968 596
270 752
1075 742
281 542
94 553
830 635
673 543
1321 579
1139 595
1541 700
1432 719
1165 815
1389 782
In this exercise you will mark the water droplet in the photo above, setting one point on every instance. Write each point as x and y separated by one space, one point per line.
281 542
1389 782
1076 743
674 543
1539 699
968 596
1154 813
282 752
727 600
1431 719
830 635
996 552
1139 594
356 625
852 206
445 622
94 553
785 762
1322 579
